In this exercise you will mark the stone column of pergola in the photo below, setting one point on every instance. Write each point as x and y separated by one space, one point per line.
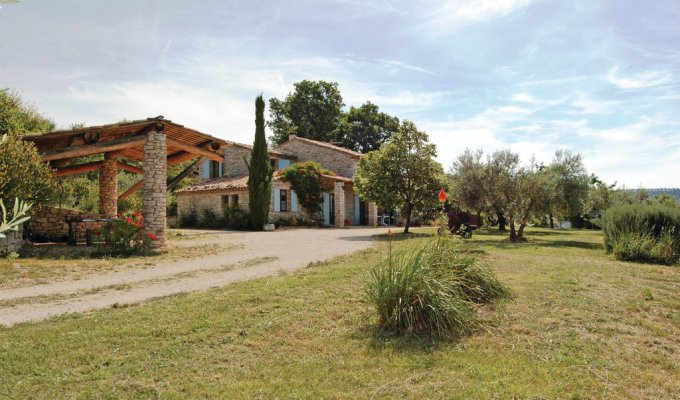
154 195
339 195
108 187
372 214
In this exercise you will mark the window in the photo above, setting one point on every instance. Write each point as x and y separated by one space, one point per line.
225 201
215 169
234 199
283 201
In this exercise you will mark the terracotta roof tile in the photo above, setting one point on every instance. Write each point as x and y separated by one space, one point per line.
223 183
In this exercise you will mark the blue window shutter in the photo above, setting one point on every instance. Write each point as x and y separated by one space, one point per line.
293 201
206 169
283 163
221 168
356 209
326 208
277 200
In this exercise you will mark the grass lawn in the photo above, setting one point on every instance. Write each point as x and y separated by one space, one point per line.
579 326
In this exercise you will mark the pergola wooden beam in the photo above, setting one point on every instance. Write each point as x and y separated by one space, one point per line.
129 168
93 166
195 150
96 148
130 191
180 157
78 169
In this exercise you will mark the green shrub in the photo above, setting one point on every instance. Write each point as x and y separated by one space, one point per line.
235 218
430 290
643 232
211 220
126 236
188 220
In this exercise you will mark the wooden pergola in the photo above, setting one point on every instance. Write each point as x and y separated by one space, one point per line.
157 143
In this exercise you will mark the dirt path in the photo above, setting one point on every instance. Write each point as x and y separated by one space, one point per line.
260 254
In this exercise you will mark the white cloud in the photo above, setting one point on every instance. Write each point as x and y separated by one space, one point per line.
454 13
588 105
639 80
524 98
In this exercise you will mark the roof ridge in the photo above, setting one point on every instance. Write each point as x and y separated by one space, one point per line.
325 144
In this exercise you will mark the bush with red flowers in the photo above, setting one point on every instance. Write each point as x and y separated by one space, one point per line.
305 180
126 235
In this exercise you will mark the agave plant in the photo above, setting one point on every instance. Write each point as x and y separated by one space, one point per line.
18 216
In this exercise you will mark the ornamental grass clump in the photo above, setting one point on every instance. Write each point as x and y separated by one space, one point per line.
432 290
126 236
644 233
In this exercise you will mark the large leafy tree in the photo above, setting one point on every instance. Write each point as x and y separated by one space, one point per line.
19 118
499 182
528 197
402 174
312 111
365 128
23 174
259 172
570 185
467 181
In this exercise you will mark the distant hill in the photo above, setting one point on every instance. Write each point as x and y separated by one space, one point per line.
675 192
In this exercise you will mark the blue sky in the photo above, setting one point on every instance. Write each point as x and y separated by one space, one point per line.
597 77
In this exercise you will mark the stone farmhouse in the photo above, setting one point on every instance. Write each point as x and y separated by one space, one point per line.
226 184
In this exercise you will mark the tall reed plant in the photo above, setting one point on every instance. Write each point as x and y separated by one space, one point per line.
431 290
642 232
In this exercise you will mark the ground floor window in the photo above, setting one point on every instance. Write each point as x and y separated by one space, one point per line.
234 199
225 201
283 201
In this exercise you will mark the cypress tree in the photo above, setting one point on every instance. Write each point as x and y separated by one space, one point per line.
260 172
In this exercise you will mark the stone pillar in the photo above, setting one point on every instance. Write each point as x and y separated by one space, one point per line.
108 187
372 214
339 194
154 196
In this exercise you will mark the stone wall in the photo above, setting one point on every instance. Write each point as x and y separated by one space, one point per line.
11 242
349 204
340 162
154 196
233 161
372 214
339 194
108 187
189 202
49 223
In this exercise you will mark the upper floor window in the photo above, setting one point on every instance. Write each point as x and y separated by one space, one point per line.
214 169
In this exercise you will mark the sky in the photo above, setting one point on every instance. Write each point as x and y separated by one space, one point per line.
601 78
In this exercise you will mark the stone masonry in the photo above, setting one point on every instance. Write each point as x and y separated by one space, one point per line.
49 223
337 159
339 194
108 187
154 196
372 214
234 165
11 242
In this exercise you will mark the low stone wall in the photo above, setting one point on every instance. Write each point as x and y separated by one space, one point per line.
11 242
49 223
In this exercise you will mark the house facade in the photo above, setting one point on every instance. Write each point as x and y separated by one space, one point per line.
226 184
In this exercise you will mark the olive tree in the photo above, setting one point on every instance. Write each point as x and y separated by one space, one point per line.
402 174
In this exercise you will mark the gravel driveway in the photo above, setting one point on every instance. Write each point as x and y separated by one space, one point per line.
259 254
